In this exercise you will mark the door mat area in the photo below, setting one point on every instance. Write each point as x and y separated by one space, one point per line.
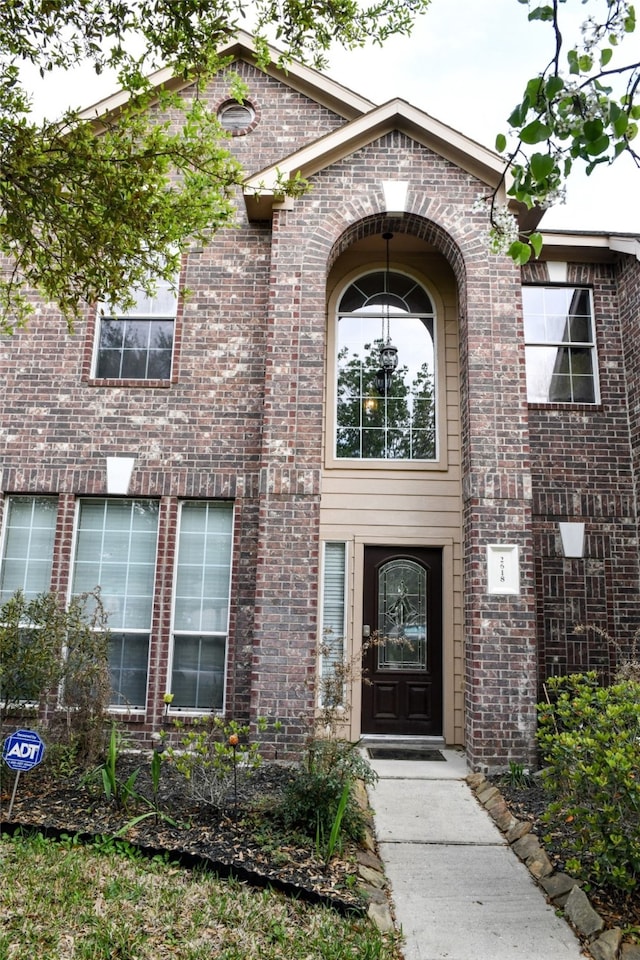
404 753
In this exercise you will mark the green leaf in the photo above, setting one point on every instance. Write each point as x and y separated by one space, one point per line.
601 145
541 165
620 124
554 86
501 143
592 130
516 119
535 89
519 252
541 13
535 132
536 242
605 56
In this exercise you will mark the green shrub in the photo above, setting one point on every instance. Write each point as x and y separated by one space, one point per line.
214 756
55 654
312 798
590 741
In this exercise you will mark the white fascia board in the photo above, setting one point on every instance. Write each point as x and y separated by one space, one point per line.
585 246
626 244
394 115
301 78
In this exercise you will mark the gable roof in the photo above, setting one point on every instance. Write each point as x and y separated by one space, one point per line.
261 188
305 80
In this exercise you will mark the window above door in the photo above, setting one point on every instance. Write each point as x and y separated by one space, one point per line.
386 370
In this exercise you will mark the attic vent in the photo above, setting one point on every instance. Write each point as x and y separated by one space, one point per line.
236 117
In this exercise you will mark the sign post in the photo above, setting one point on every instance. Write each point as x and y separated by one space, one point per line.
22 750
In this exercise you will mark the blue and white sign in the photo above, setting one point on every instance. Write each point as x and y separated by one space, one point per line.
23 750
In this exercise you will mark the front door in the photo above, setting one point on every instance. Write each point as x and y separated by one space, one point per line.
402 663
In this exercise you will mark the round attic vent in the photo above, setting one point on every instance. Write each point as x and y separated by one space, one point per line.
236 117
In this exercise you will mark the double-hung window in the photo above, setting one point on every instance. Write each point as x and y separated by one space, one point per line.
201 605
116 551
27 554
560 345
137 344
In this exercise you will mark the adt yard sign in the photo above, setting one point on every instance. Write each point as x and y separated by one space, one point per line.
23 750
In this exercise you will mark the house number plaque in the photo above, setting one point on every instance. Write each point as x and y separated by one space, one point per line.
503 568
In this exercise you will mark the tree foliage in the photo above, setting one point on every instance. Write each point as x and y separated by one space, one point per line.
88 210
48 650
582 108
92 207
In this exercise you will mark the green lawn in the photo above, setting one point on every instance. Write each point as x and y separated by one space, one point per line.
65 901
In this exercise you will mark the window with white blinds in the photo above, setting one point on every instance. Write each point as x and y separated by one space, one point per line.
201 605
116 551
333 610
27 555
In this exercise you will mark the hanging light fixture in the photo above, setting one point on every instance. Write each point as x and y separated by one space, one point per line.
388 353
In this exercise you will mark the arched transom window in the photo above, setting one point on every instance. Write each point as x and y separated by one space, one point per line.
386 401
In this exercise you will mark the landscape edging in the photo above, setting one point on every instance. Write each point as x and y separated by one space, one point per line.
562 891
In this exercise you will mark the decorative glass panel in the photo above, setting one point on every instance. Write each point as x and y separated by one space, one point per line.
402 616
28 546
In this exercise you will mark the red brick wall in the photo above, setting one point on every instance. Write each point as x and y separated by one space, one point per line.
243 420
582 471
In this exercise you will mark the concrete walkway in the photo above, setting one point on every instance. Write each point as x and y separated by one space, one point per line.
459 891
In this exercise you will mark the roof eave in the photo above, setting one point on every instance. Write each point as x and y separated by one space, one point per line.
305 80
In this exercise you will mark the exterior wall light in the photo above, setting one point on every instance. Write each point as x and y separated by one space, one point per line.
572 535
388 353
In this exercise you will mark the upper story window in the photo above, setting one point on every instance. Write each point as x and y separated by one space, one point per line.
386 390
560 345
137 344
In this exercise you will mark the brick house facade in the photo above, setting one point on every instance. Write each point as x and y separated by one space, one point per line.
254 538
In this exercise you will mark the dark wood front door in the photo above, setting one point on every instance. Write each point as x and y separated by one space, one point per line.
402 664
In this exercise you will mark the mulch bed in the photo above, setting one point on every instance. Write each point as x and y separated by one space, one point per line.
224 842
530 802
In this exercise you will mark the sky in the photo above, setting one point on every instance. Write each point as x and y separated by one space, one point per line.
466 64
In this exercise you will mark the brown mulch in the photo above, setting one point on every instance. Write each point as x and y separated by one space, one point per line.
241 840
530 803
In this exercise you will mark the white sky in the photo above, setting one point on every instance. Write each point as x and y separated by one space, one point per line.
466 64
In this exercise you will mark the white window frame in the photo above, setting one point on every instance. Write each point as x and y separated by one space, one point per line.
326 660
145 309
440 458
198 711
536 344
117 631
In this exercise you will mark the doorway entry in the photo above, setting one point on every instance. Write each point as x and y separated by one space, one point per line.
402 662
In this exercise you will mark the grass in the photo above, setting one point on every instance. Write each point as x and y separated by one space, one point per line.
66 901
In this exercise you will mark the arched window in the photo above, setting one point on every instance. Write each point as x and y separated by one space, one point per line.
386 391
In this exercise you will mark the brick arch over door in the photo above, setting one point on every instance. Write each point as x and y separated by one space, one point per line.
412 225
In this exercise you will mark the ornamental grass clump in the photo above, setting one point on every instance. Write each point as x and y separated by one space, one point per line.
590 741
